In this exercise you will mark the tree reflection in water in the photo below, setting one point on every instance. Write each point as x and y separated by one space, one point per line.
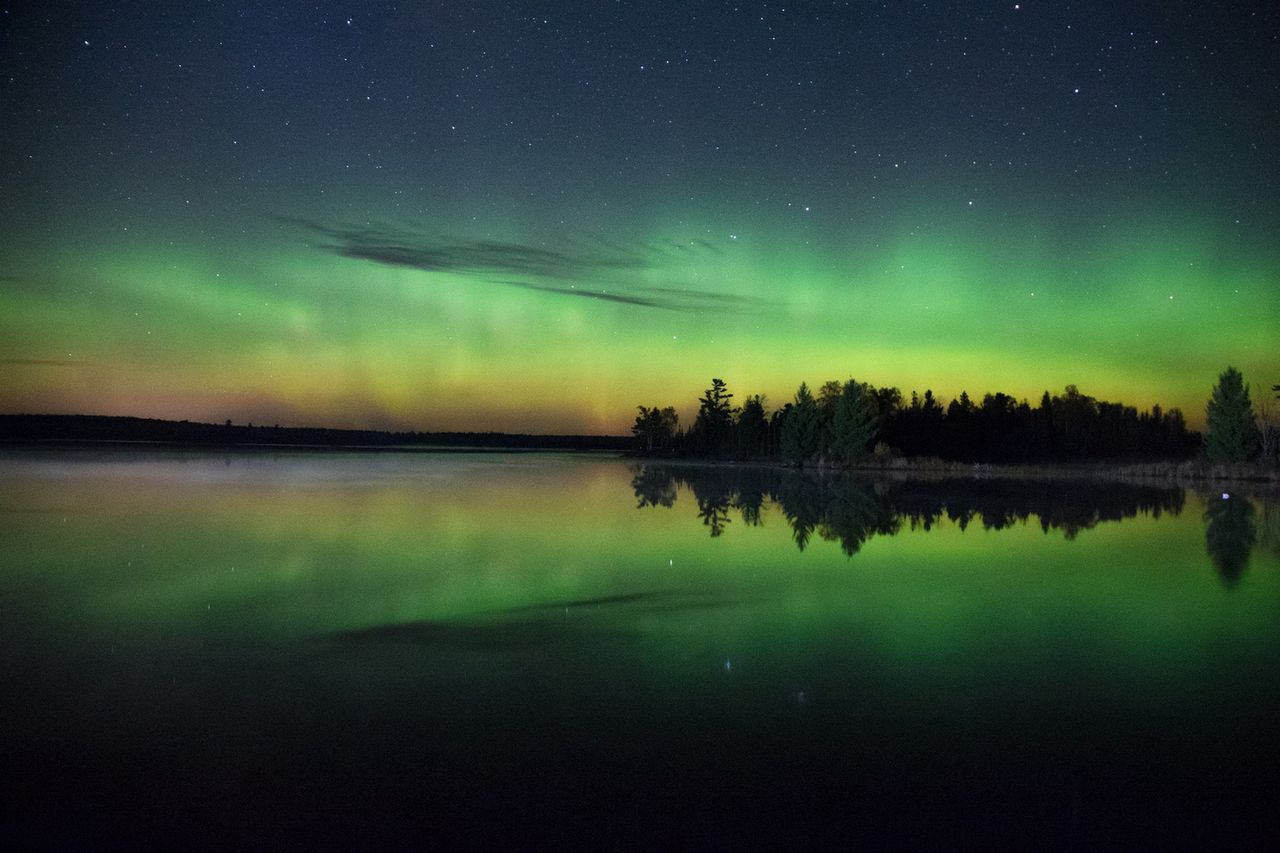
1229 535
851 510
653 487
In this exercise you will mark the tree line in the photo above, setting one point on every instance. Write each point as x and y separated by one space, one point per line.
844 423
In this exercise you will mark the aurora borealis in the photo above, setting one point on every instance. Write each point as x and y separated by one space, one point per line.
533 216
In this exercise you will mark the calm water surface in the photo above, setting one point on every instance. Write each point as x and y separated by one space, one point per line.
351 650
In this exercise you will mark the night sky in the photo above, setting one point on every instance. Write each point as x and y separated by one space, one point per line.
533 216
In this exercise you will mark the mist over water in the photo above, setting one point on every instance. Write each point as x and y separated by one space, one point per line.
354 648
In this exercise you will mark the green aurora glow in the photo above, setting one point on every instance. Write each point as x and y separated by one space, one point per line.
284 334
158 259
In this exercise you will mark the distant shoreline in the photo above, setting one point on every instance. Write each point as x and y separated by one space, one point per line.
108 444
123 431
107 432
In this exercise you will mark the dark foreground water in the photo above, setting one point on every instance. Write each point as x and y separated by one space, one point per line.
337 651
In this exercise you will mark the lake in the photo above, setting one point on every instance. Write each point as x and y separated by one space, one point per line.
337 650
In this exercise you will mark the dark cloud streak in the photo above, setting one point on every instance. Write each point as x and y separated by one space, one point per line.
607 261
585 294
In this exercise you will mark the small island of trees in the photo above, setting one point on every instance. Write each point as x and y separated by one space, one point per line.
850 423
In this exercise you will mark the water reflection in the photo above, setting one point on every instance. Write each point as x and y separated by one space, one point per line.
653 487
1230 534
851 510
1269 534
489 640
531 627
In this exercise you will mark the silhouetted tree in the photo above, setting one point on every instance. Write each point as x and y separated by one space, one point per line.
655 428
752 429
1042 425
711 428
854 422
888 404
1074 416
1231 434
800 430
960 427
1179 440
828 394
827 397
931 422
777 423
1000 428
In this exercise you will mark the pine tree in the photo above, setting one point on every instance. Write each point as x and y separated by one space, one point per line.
1230 432
752 429
854 422
800 429
715 419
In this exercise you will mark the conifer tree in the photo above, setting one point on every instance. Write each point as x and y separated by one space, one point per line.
1231 435
854 422
715 419
800 431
